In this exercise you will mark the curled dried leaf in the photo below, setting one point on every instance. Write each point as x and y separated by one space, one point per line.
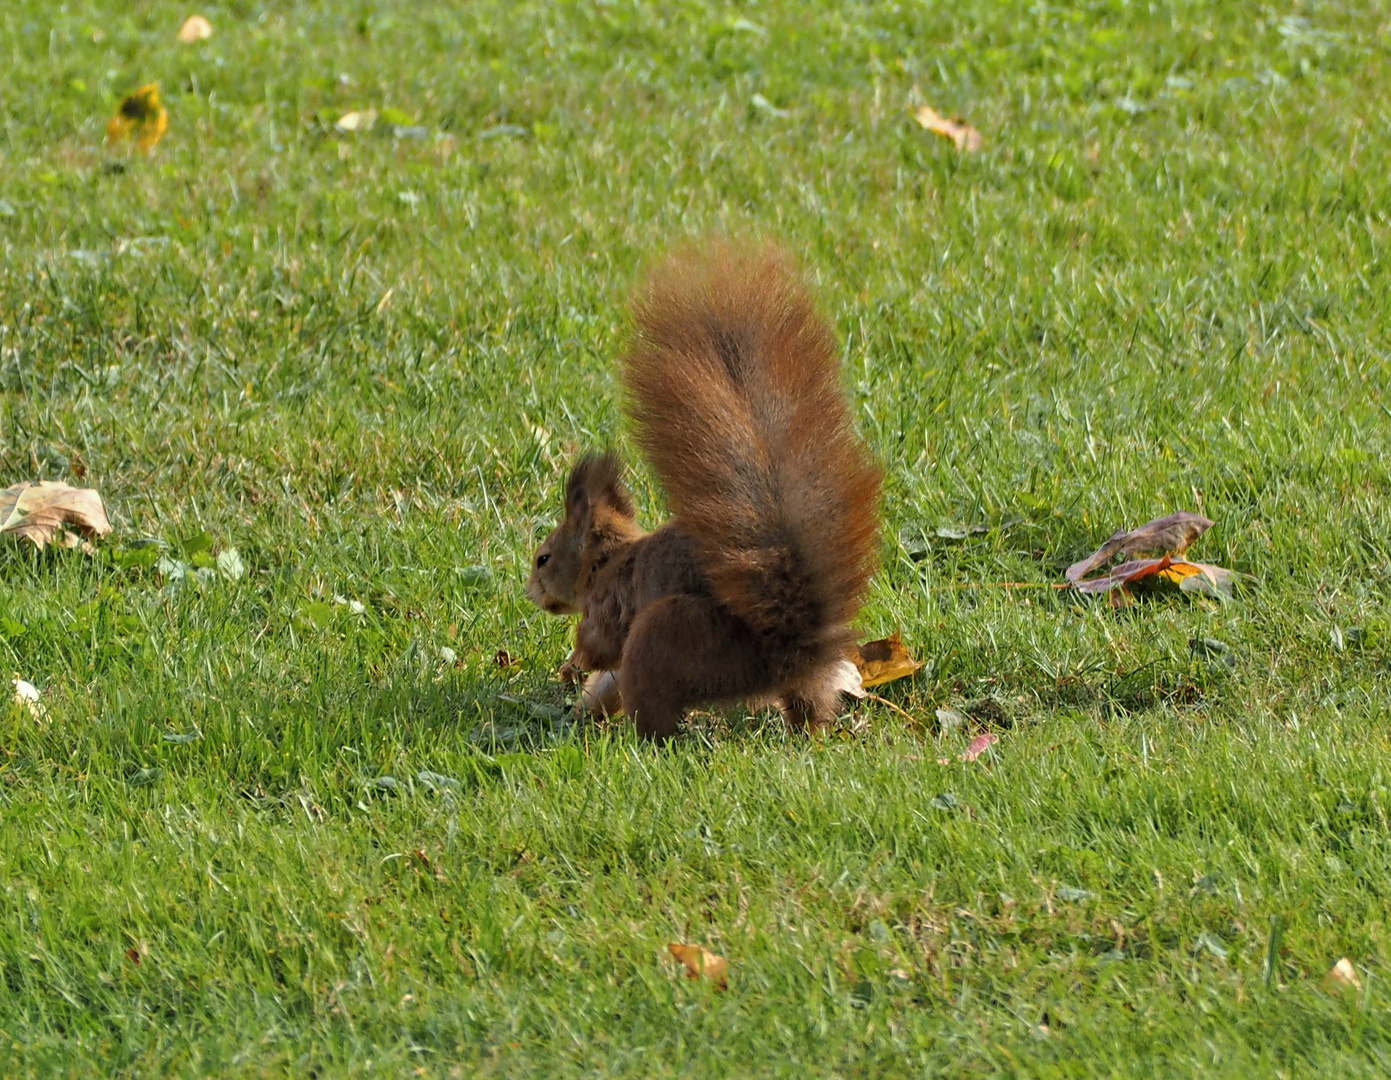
1344 976
883 661
41 512
700 962
967 139
1126 573
1191 577
979 745
1170 535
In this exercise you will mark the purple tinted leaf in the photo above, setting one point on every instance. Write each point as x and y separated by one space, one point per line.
1163 536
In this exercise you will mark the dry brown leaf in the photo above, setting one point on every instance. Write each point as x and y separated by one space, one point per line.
700 961
195 28
883 661
967 139
141 115
1125 574
1165 539
39 511
1343 976
1190 577
1170 535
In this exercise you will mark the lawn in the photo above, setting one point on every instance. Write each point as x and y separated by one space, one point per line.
320 808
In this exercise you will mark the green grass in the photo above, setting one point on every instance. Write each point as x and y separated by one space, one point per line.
364 361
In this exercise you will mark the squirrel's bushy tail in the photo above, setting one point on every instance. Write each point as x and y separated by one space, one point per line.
734 383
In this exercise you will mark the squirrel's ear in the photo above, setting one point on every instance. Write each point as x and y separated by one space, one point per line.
596 479
606 484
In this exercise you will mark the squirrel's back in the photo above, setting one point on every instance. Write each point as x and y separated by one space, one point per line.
735 386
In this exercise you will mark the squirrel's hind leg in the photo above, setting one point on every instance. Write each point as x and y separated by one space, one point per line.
684 651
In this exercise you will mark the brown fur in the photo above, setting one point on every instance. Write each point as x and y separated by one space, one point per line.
749 594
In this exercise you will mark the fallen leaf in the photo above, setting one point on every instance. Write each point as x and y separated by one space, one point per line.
1209 580
359 120
600 694
195 28
763 105
142 115
979 745
27 694
1190 577
1343 976
504 659
1170 535
1125 574
504 131
39 511
145 777
1212 943
960 532
883 661
537 710
967 139
133 955
949 720
229 564
437 781
700 961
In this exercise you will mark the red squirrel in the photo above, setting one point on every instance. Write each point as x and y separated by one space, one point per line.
733 383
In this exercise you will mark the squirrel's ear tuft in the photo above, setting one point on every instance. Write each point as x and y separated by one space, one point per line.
596 478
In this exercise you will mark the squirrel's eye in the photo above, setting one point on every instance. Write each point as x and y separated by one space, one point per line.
542 560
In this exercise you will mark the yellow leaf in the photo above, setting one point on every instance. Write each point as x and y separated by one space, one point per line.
141 115
883 661
363 120
38 512
27 695
195 28
700 961
1177 571
967 139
